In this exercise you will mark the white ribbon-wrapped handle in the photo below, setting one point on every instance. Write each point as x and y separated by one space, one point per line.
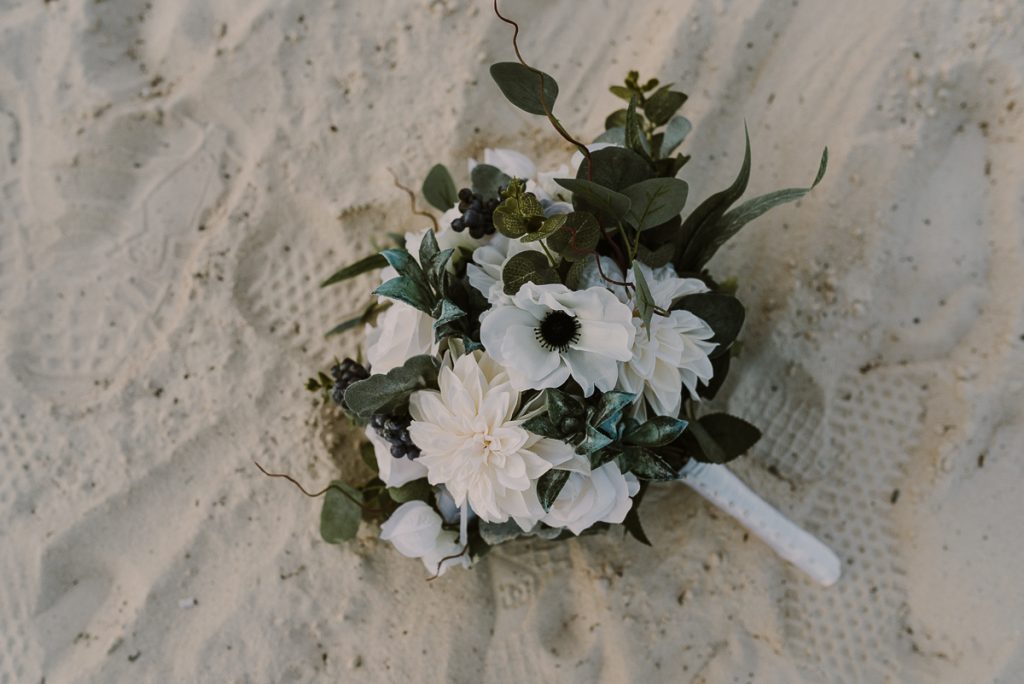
726 491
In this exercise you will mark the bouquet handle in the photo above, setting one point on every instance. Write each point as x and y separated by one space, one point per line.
720 486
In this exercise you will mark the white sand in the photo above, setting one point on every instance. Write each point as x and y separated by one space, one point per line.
171 190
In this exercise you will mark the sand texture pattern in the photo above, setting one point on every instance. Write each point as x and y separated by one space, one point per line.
176 176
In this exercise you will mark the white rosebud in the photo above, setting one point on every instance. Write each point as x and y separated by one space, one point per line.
603 495
414 529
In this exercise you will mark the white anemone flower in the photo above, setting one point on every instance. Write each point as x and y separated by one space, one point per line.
604 494
676 352
472 443
547 333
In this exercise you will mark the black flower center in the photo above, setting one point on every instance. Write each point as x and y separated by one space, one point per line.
557 331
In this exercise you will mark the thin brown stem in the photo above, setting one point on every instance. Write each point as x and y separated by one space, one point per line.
315 495
437 573
412 201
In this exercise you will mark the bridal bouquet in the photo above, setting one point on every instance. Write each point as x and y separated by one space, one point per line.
536 359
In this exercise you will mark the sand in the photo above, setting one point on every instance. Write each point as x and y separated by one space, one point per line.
175 178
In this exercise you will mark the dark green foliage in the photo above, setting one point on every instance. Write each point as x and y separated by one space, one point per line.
644 300
655 201
520 213
488 180
656 432
646 464
664 103
365 265
719 438
676 131
417 490
527 267
340 515
590 196
529 89
549 485
439 188
632 521
724 313
385 393
577 238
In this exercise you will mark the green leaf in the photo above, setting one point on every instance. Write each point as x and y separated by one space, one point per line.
698 228
370 263
616 119
550 485
656 432
632 520
609 410
734 220
547 228
616 168
368 313
577 238
646 464
621 91
561 405
527 267
676 131
655 201
417 490
644 299
448 312
720 438
613 136
575 274
340 515
603 199
636 140
542 425
665 102
404 263
593 441
488 180
439 188
529 89
724 313
428 250
381 393
720 370
406 290
499 533
520 213
656 258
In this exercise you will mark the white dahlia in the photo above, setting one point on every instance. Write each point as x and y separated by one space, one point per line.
547 333
675 353
472 443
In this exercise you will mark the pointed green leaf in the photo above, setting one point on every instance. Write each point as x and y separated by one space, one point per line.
734 220
646 464
370 263
656 432
428 250
439 188
698 228
529 89
655 201
644 299
542 425
406 290
340 515
448 312
636 140
593 441
550 485
609 410
632 521
719 438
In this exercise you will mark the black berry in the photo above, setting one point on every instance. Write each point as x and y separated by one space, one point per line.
395 431
344 374
477 215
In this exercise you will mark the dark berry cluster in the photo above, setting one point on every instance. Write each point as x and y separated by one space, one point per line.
344 374
477 215
395 431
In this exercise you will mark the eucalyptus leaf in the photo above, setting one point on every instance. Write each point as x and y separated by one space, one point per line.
658 257
417 490
340 515
616 119
655 201
550 485
488 180
577 238
644 299
615 168
499 533
656 432
636 140
735 219
605 200
547 227
676 131
364 265
613 136
723 313
381 392
529 89
527 267
575 274
621 91
439 188
665 102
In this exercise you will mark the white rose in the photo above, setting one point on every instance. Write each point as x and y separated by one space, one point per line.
400 333
394 472
414 529
603 495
